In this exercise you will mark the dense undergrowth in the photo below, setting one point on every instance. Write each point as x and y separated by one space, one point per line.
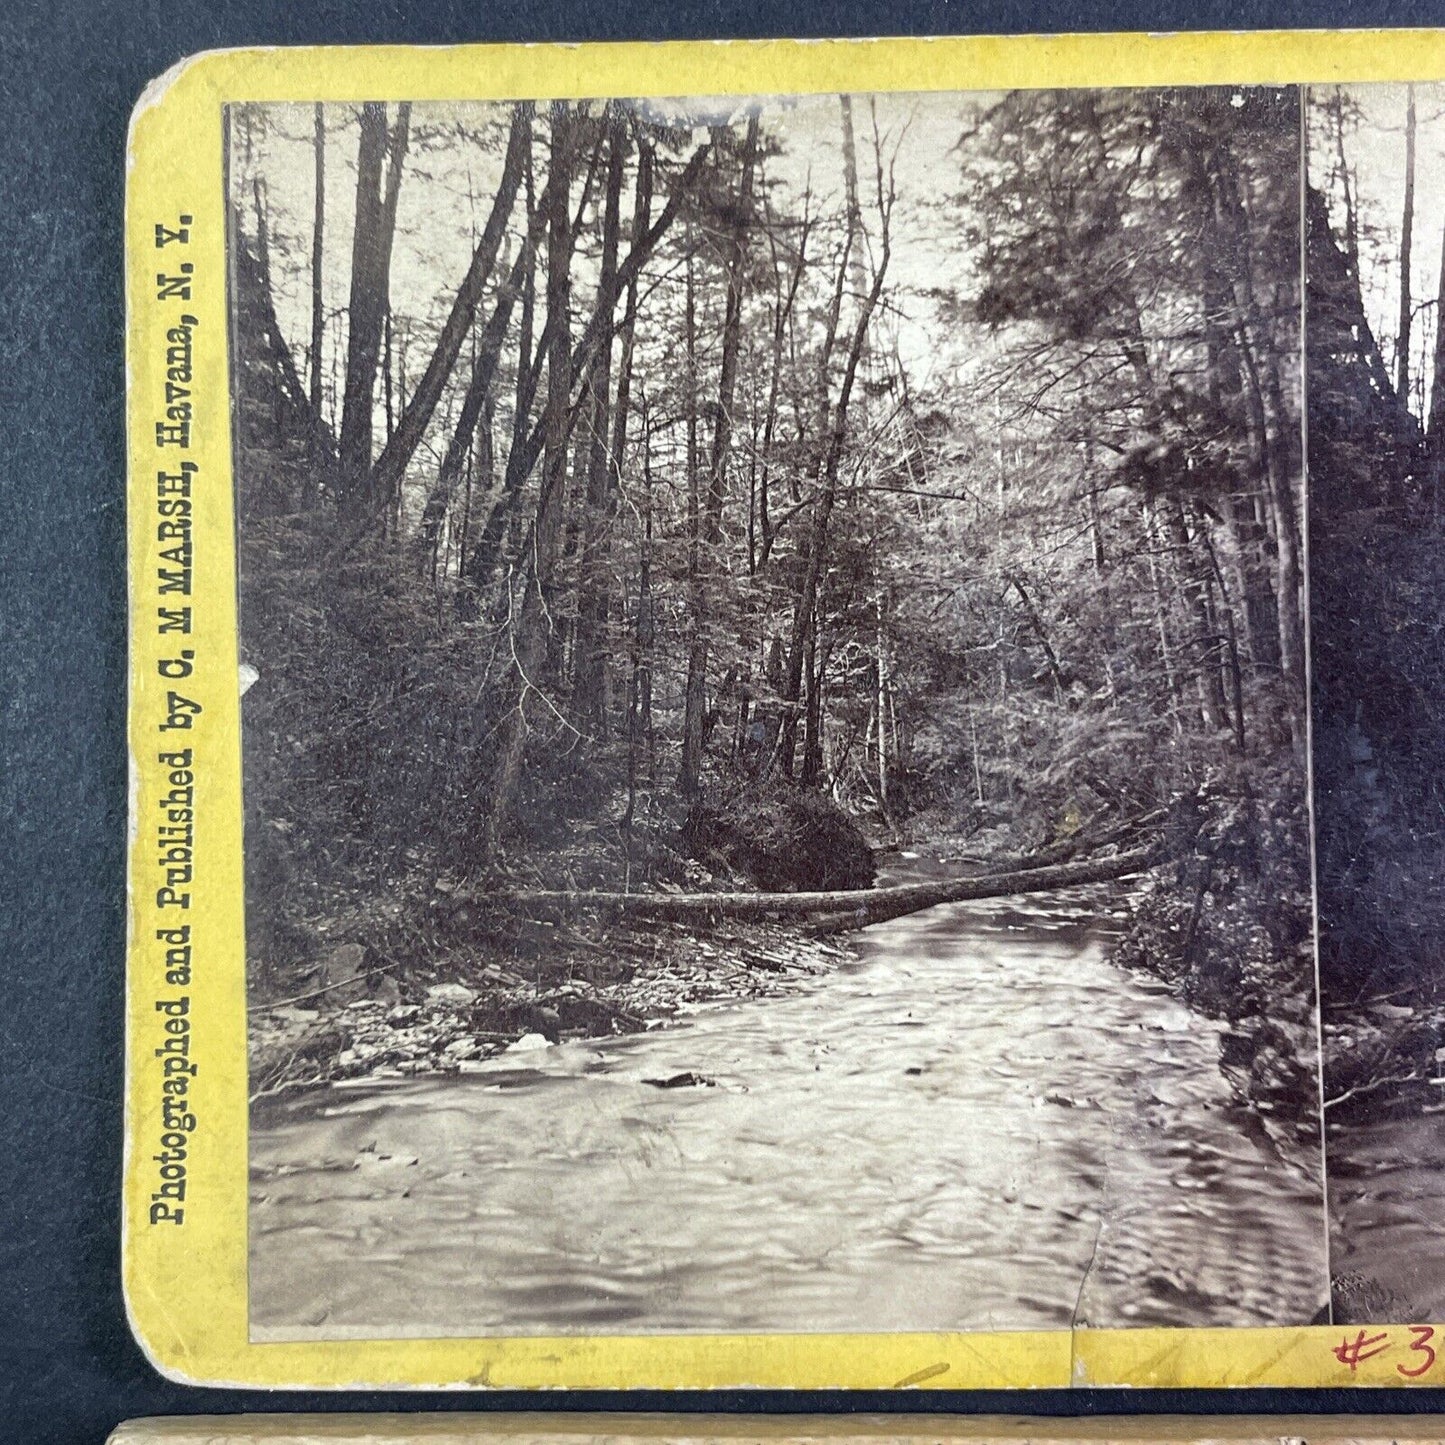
1228 924
1378 569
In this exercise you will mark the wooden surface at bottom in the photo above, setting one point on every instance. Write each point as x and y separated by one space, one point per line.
448 1428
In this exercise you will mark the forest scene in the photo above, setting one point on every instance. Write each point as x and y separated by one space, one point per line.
774 713
1376 361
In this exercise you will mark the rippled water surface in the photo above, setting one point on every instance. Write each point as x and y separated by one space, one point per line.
981 1124
1387 1198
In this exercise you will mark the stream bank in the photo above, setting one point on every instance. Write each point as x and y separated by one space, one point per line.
466 1004
437 978
442 977
478 987
976 1121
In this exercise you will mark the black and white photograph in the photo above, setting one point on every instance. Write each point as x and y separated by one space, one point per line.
775 720
1376 363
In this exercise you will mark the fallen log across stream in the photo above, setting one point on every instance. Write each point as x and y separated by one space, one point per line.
840 910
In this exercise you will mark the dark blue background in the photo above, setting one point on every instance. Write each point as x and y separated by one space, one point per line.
69 73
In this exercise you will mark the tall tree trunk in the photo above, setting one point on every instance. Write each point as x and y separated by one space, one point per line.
1407 228
814 667
530 628
482 558
257 263
1195 589
771 712
561 241
1268 416
783 303
474 403
1435 429
690 772
395 156
589 698
717 469
390 466
641 213
816 544
525 458
1284 508
1342 170
364 311
1161 618
639 694
388 376
850 189
880 707
370 273
1250 581
639 691
318 234
503 523
1235 672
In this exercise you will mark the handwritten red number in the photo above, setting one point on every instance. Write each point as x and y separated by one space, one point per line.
1423 1335
1352 1352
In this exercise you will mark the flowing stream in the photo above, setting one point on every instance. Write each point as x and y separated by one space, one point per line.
980 1124
1387 1196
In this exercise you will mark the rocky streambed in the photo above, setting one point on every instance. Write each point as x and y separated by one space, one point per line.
365 1018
